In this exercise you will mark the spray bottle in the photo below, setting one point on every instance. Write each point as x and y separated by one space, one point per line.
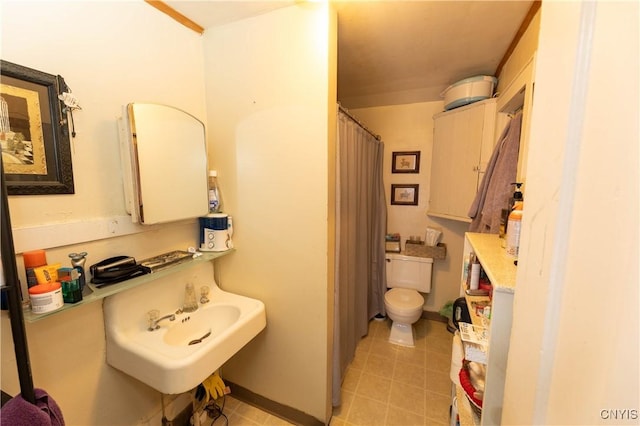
517 196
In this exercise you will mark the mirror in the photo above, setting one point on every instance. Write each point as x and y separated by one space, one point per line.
164 158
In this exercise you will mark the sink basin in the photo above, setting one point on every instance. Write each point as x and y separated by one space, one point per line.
182 353
206 324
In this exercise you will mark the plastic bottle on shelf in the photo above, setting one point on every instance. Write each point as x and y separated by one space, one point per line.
215 197
517 196
33 259
513 230
474 281
504 218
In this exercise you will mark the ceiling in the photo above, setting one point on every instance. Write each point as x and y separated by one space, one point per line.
396 52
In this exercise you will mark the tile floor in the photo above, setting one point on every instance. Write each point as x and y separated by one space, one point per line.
241 414
385 384
388 384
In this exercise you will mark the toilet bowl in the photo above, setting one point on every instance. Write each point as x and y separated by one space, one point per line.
407 277
404 307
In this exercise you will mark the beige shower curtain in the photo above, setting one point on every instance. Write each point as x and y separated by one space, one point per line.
361 217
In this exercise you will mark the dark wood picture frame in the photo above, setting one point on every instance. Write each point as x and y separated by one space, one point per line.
404 195
37 155
405 162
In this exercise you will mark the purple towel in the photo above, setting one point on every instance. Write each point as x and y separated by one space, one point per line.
496 187
19 412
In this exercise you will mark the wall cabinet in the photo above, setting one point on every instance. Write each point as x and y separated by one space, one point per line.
501 271
463 142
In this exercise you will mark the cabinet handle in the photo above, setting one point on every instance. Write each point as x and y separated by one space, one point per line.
476 168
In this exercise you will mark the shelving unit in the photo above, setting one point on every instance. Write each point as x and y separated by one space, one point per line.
501 271
109 290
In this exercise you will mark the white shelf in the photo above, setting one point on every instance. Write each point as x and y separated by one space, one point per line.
501 271
109 290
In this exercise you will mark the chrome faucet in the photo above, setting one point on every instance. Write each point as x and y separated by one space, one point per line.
154 320
190 301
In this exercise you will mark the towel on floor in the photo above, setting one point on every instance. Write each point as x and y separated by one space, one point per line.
496 187
19 412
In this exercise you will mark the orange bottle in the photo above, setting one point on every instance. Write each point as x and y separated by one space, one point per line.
513 230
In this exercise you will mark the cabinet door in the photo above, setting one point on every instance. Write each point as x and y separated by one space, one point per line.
457 144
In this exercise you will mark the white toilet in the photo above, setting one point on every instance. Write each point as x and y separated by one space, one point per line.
407 277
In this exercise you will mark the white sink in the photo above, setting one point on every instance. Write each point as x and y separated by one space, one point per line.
207 323
163 358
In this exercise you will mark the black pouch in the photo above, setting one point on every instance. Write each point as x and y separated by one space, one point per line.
460 312
114 270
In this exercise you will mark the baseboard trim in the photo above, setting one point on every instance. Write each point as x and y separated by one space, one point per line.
285 412
433 316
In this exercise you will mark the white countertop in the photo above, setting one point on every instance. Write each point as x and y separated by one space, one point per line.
498 266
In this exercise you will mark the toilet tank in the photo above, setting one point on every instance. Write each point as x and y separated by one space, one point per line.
409 272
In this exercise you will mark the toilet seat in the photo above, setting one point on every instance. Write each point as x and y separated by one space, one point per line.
403 298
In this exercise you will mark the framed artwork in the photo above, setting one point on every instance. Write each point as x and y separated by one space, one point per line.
405 162
404 195
34 133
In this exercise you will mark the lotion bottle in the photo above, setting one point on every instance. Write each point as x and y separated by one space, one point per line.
504 219
513 230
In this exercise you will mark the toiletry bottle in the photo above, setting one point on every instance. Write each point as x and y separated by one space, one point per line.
513 230
517 196
474 281
33 259
469 268
504 218
215 198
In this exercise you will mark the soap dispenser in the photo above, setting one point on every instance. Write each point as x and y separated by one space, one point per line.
504 218
517 196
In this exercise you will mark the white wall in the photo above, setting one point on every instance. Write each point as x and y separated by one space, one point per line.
410 128
271 96
526 47
574 343
110 53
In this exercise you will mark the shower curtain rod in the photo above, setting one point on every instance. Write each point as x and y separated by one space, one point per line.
343 109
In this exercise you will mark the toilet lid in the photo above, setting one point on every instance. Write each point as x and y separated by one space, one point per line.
404 298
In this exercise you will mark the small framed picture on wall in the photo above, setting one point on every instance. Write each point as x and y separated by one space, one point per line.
405 162
404 195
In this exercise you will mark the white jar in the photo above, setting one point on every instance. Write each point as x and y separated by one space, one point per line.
46 297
